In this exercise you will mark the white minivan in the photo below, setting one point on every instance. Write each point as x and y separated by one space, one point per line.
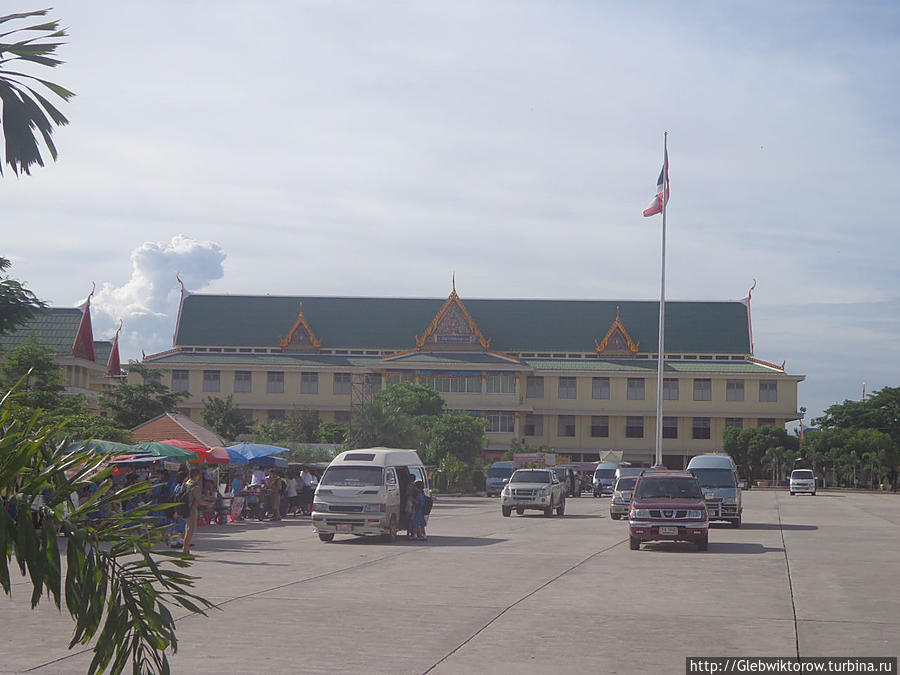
719 479
803 480
362 492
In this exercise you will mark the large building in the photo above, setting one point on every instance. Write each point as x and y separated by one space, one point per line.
576 376
88 366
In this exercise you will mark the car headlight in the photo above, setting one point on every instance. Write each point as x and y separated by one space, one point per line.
506 491
695 514
640 513
729 501
374 508
319 506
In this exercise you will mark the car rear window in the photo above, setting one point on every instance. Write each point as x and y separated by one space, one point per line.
668 488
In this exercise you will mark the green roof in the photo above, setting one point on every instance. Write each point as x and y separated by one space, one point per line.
392 324
276 359
631 365
55 328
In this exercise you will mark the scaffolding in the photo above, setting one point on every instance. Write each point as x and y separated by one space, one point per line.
362 388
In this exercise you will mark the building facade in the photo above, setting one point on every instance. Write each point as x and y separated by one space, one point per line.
576 376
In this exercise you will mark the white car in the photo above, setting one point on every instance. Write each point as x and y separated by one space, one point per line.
803 480
537 489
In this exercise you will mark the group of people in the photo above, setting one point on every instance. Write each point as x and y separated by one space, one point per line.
277 493
415 511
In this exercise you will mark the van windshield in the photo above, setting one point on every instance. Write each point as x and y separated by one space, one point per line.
352 476
802 474
499 473
605 473
668 488
530 477
714 478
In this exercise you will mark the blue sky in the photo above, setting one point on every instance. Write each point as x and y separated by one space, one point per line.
374 148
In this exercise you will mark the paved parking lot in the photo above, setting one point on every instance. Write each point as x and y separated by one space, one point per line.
814 576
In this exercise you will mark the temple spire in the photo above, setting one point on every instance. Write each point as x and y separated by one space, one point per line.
83 347
114 365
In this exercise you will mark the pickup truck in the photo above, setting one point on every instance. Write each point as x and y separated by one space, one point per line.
535 489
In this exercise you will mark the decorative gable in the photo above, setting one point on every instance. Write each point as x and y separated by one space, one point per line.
617 341
301 336
453 327
83 346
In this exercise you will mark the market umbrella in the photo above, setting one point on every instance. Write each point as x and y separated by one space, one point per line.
158 449
269 460
204 455
243 452
100 447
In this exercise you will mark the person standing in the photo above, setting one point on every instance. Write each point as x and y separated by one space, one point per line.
275 484
193 492
290 493
419 513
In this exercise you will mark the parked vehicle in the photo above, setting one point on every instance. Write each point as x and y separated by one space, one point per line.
630 471
668 506
362 492
620 503
568 476
497 476
535 489
803 480
604 478
718 478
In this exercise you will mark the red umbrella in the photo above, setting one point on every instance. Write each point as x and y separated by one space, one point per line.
204 455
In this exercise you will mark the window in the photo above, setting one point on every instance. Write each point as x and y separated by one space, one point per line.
765 422
670 389
734 390
275 382
703 390
276 416
342 416
635 388
373 382
150 378
600 388
534 425
768 391
734 422
243 381
670 427
534 387
342 383
500 423
180 380
634 427
453 384
568 388
599 426
565 424
211 380
701 427
397 378
498 383
309 383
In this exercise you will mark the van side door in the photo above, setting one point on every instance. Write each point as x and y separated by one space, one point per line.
392 491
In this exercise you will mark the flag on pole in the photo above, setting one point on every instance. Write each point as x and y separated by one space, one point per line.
662 190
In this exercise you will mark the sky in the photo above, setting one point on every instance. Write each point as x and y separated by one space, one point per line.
376 148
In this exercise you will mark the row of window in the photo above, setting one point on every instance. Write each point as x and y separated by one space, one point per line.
567 388
495 383
634 426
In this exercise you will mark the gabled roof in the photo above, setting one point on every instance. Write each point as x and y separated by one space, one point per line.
178 427
392 324
55 328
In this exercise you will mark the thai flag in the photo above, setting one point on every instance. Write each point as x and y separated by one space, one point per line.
662 187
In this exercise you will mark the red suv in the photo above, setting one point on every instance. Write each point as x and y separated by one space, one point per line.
668 506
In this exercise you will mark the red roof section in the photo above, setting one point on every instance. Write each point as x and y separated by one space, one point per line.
179 427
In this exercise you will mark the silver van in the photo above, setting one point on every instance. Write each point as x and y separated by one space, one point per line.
719 479
362 492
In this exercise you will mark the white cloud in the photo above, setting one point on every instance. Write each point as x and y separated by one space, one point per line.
148 302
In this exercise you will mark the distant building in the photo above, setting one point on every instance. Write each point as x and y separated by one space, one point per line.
177 427
88 365
578 376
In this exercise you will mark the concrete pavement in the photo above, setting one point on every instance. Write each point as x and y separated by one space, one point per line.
816 576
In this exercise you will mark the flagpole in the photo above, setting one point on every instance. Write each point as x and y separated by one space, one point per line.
662 308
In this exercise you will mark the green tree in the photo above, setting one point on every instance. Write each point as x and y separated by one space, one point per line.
119 584
519 446
275 432
25 112
411 399
17 303
132 404
457 434
881 412
377 424
332 432
303 426
35 368
224 417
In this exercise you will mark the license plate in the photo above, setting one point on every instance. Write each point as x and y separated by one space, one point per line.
344 528
668 530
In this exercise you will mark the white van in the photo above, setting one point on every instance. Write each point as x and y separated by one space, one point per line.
719 479
803 480
362 492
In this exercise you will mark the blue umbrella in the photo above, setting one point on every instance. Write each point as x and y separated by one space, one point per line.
243 452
